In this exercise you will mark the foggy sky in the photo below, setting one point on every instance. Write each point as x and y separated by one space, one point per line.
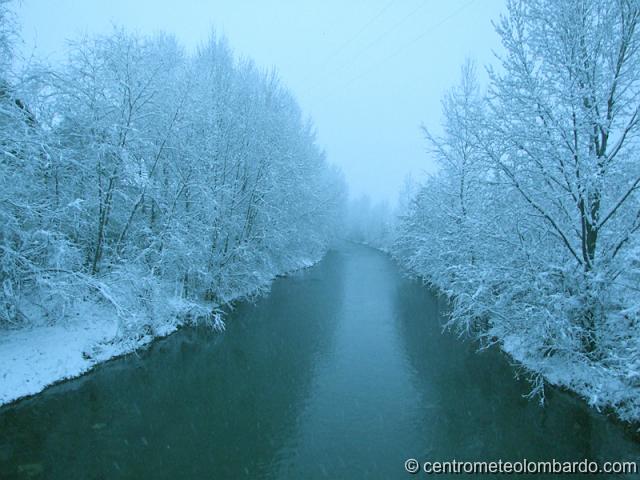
368 72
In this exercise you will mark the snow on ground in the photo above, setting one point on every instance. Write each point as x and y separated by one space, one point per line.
33 358
601 387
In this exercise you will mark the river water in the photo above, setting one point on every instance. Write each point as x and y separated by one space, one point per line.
340 372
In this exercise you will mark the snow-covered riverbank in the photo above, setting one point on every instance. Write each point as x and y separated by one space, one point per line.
604 387
32 358
35 357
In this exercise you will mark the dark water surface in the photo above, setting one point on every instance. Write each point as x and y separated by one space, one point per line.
340 372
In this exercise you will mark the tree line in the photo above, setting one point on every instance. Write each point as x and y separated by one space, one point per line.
531 225
149 178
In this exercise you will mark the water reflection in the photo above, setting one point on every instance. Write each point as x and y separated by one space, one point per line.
341 372
362 401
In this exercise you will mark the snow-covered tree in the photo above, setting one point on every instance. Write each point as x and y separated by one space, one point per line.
161 183
532 223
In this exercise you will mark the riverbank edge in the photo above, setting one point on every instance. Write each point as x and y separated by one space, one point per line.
552 375
35 358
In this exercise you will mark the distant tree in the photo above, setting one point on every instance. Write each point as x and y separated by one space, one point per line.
458 155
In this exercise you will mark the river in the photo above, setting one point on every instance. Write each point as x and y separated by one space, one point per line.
341 372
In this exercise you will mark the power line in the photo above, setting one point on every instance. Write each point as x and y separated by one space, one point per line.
367 47
404 46
350 40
